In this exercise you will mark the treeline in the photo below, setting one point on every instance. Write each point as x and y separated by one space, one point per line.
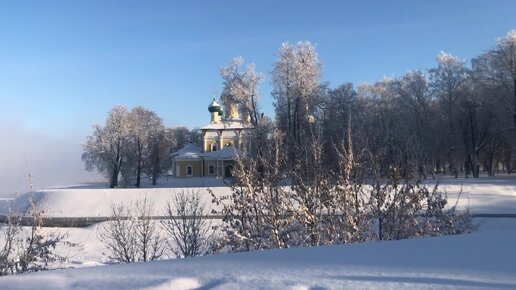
337 166
456 118
133 144
348 164
452 118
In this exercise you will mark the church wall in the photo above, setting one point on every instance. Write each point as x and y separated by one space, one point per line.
183 164
208 142
232 138
207 164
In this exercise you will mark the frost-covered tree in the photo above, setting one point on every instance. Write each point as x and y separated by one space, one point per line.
371 196
418 111
383 129
195 137
296 90
130 144
338 106
180 136
495 112
145 135
241 88
298 98
476 121
503 60
157 161
448 81
104 149
257 214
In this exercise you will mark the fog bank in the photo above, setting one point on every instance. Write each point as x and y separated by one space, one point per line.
50 161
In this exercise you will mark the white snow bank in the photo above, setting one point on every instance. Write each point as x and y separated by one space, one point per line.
478 261
97 202
482 195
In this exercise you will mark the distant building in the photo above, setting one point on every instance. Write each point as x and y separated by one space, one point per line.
222 139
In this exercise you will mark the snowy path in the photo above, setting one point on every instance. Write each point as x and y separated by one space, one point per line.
483 195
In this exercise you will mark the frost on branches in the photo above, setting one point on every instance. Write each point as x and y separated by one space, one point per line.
188 231
274 206
28 248
131 235
241 88
132 144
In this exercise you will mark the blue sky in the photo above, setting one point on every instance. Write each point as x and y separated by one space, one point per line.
64 64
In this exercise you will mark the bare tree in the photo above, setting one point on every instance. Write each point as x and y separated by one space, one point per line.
119 236
188 230
338 105
150 243
132 235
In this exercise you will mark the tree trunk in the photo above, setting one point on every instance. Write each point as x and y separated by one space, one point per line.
139 169
116 168
513 151
155 169
490 163
114 177
452 138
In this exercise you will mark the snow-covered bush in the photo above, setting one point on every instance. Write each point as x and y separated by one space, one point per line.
135 233
28 249
187 229
131 234
273 205
257 214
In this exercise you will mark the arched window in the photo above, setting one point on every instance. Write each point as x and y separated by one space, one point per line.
214 146
188 170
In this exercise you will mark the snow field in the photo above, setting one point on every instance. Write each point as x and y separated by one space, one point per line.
484 195
482 260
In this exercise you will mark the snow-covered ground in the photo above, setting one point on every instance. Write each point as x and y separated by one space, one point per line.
481 195
482 260
92 200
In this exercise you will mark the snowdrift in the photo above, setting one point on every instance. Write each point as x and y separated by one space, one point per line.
482 260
